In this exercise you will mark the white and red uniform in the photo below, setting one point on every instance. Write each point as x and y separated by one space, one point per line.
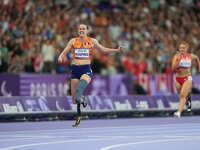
185 63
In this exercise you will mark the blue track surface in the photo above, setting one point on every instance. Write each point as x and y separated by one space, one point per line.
118 134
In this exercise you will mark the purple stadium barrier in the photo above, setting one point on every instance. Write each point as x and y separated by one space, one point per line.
95 103
55 86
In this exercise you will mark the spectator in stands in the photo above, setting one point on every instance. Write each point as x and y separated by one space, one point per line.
3 57
16 65
48 54
38 60
154 27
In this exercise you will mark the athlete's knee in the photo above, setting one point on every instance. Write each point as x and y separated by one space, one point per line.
182 95
85 77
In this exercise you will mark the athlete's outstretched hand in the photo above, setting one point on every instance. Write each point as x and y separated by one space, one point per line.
121 49
60 59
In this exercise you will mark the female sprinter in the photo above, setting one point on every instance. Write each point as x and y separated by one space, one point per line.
81 72
182 62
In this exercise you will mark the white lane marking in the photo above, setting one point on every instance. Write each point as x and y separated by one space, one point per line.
15 138
148 142
8 140
18 138
108 138
30 136
91 131
173 125
139 132
55 142
21 138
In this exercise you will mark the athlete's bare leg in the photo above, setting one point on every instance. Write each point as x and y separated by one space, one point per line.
178 87
74 84
187 85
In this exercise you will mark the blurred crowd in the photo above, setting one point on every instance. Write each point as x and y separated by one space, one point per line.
34 32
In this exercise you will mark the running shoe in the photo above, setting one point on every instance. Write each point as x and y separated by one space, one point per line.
177 114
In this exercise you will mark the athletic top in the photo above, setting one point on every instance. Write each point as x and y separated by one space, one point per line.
82 50
185 62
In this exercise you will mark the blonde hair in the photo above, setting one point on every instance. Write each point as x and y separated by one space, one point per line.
184 43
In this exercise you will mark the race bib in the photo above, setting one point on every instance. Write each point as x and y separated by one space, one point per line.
185 63
82 53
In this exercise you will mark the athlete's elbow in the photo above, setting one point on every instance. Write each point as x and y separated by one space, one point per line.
101 50
104 51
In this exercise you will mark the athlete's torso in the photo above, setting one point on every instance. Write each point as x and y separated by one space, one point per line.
82 51
184 66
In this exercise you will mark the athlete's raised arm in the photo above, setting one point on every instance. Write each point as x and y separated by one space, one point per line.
175 61
100 47
196 58
66 50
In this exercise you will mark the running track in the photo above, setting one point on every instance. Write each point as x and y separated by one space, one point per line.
117 134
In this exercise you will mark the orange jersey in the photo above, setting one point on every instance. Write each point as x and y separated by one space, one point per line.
82 50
